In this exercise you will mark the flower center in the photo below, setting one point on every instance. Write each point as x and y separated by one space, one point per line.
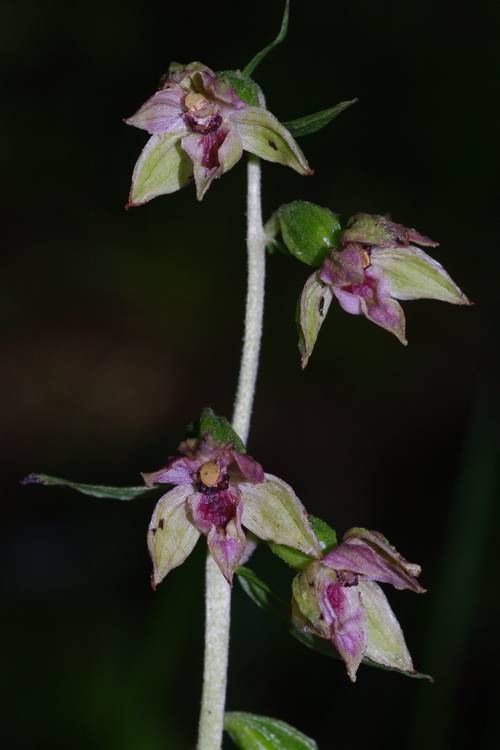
194 102
203 125
210 474
365 259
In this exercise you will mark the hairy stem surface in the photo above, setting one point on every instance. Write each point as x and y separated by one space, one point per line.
218 591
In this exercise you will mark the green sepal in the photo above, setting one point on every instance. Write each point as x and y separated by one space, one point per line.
298 560
94 490
251 732
255 61
312 307
218 427
309 231
249 91
312 123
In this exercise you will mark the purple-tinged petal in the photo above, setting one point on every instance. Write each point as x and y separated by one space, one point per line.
194 76
348 629
412 274
162 113
248 467
273 512
162 168
377 305
177 471
345 267
379 231
349 302
263 135
386 551
387 314
204 153
420 239
357 556
171 535
214 508
308 588
227 545
386 643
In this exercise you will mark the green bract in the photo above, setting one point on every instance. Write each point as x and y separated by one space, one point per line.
312 123
308 231
218 427
94 490
251 732
249 91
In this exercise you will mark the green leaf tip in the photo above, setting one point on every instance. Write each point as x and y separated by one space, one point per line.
255 61
94 490
252 732
218 427
312 123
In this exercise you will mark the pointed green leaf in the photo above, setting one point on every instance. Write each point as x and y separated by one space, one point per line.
162 168
313 306
249 69
327 536
261 594
309 231
94 490
218 427
251 732
312 123
263 135
293 557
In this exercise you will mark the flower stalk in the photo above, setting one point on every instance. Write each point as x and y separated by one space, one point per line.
218 591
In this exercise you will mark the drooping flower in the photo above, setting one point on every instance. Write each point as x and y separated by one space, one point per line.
219 489
199 124
378 263
338 598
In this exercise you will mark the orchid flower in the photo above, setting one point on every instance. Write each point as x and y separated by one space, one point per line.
339 598
200 126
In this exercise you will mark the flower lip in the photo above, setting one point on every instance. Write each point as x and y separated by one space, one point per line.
203 125
217 508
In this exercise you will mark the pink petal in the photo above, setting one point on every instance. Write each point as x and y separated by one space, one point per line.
177 471
361 559
162 113
349 302
227 547
343 609
251 470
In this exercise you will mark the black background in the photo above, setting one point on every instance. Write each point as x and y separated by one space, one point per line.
121 326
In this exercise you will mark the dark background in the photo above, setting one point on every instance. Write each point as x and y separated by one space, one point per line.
121 326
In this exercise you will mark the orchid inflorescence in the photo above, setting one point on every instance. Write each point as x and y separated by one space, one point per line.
200 122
